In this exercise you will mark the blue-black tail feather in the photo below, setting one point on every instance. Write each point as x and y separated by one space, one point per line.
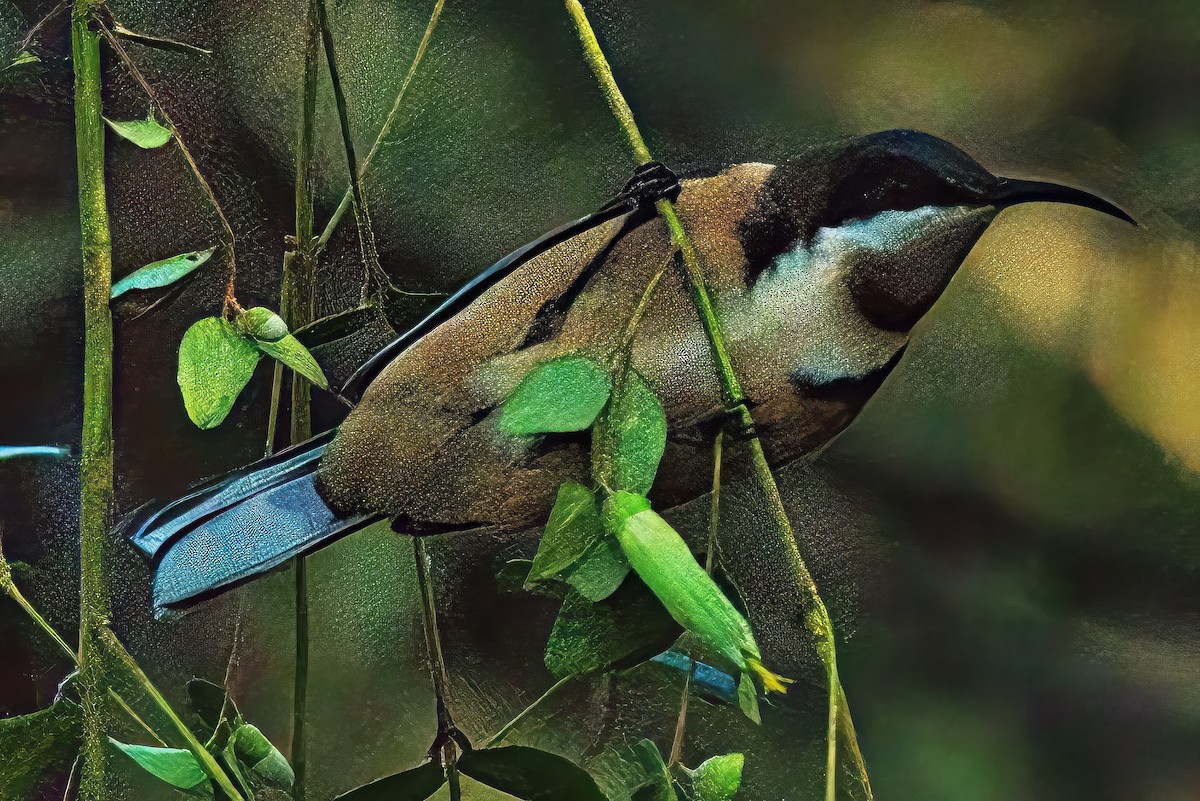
238 526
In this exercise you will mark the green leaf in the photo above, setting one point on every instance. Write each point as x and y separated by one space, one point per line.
146 134
270 335
33 747
229 760
602 569
22 58
337 326
530 774
574 525
718 778
558 396
411 785
215 364
264 759
623 630
294 355
511 576
175 766
162 273
631 436
748 698
18 451
666 564
657 785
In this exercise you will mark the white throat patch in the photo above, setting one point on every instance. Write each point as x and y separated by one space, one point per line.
802 307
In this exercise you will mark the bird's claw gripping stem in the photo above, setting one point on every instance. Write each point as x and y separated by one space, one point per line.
651 182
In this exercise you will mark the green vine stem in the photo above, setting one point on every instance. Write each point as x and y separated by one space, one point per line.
816 615
12 591
96 447
508 728
385 131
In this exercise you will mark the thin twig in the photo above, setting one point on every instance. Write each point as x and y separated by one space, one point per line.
507 728
445 746
710 565
300 684
816 615
71 779
372 271
41 23
274 408
159 42
232 661
14 593
231 304
714 518
681 722
386 130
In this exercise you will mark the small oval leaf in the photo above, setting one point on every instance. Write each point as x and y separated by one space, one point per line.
623 630
631 436
161 273
262 324
573 526
34 746
530 774
270 335
718 778
146 134
601 570
558 396
748 698
174 766
292 354
417 784
264 759
215 364
22 58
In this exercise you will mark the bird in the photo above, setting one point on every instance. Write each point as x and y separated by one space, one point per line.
820 267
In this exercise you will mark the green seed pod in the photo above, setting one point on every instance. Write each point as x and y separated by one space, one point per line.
270 335
689 594
262 324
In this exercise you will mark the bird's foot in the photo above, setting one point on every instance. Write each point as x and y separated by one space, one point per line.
649 183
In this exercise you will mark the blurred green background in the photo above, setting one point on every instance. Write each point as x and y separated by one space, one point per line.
1007 535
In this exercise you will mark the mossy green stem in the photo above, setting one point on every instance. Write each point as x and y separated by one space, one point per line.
96 444
816 615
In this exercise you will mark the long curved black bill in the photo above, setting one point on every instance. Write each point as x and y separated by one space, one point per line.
1011 191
